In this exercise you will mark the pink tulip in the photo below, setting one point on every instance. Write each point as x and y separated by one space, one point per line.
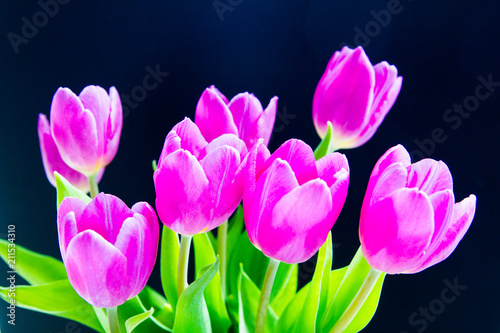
52 160
243 116
409 219
198 184
86 128
108 249
354 96
291 201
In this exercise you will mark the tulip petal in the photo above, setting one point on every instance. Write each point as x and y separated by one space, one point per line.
97 270
395 231
430 176
52 160
74 130
344 96
246 109
220 167
387 88
135 242
275 182
265 124
144 209
230 140
299 156
329 165
191 138
180 184
463 213
172 143
68 213
114 126
299 223
391 179
104 215
213 116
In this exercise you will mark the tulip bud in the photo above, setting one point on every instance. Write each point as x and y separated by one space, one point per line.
292 201
108 249
53 162
409 218
243 116
354 96
198 184
86 128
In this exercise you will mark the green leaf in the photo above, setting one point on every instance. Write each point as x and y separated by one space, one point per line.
325 146
57 298
34 267
248 301
169 258
65 189
317 296
192 313
163 315
204 255
351 282
284 287
254 261
134 321
236 225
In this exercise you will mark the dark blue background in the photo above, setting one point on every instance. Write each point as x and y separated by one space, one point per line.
268 48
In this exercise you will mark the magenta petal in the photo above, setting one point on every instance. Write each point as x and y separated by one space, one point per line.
265 124
135 242
396 231
229 140
344 96
149 213
274 183
213 116
329 165
299 223
299 156
463 213
97 217
430 176
387 88
97 270
220 167
68 213
171 144
190 136
391 179
218 93
250 166
74 130
180 186
114 125
52 160
246 109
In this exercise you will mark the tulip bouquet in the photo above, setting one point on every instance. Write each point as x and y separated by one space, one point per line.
250 215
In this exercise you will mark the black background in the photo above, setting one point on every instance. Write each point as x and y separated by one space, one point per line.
268 48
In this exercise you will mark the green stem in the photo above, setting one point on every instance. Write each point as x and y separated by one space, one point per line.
182 268
358 301
265 294
221 251
94 189
114 327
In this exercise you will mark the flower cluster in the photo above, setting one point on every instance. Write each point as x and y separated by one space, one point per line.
290 199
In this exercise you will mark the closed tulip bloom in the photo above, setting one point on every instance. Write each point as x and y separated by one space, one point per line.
52 160
292 201
409 219
86 128
108 249
198 184
243 116
354 96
